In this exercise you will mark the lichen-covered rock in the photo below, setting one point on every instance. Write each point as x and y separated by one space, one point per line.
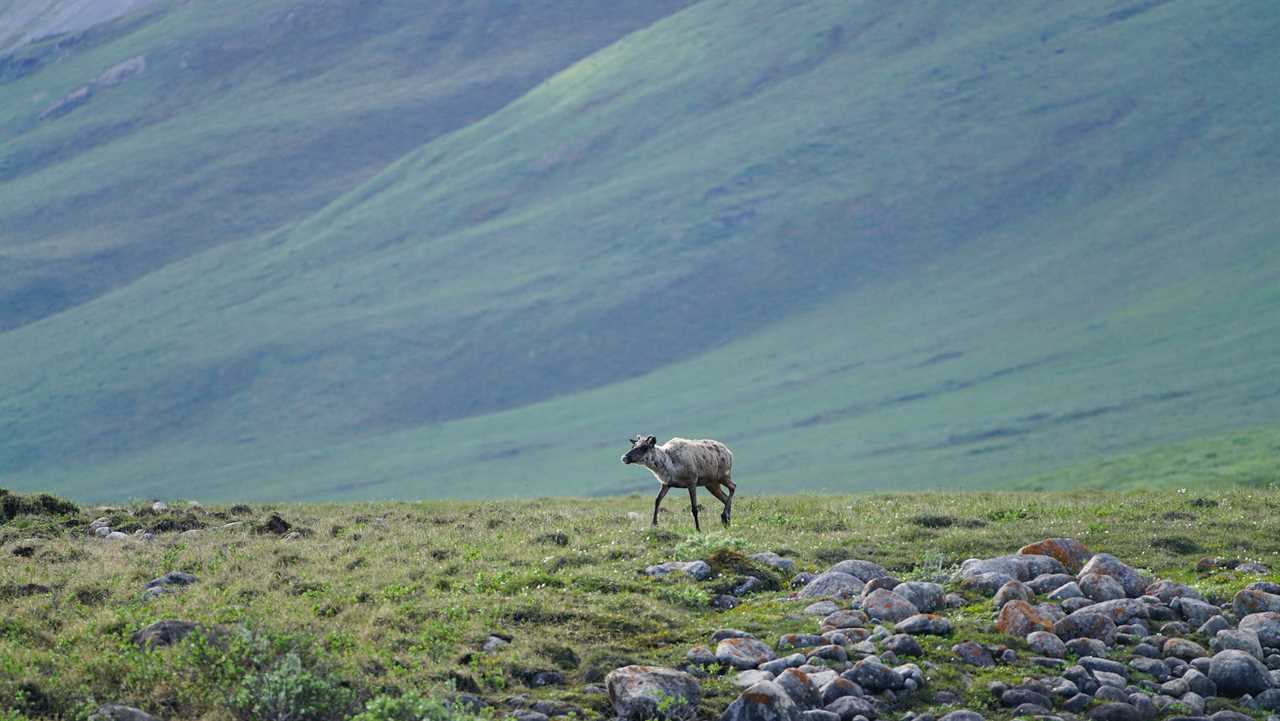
973 653
1012 591
800 640
1065 591
864 571
1022 567
1194 611
652 692
165 633
1046 644
1265 625
874 676
925 596
800 688
1019 618
1086 625
903 644
765 701
1115 711
1048 582
844 619
882 605
924 624
1236 673
1120 610
849 708
838 687
778 665
743 653
963 714
1248 602
1134 582
985 583
1068 551
834 584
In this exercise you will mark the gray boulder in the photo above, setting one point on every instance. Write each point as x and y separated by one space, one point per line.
743 653
638 692
1134 582
1246 641
765 701
1046 644
1065 591
874 676
172 578
699 570
963 714
800 688
1265 625
773 560
116 712
924 624
1012 591
1101 587
925 596
883 605
1048 582
862 570
1251 601
834 584
1236 673
1194 611
849 708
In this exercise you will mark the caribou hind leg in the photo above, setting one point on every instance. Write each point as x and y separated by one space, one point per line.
727 500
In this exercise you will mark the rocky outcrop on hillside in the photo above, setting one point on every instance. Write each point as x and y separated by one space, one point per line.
1086 635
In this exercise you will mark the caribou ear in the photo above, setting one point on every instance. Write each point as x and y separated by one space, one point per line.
651 441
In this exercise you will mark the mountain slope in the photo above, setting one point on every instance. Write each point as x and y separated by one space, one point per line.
182 126
910 245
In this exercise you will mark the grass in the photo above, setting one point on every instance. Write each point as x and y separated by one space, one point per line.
376 600
938 247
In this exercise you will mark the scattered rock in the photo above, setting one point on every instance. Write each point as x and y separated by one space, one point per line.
765 701
1236 673
274 525
1134 583
751 677
1266 626
1183 649
864 571
1048 582
773 560
493 643
172 578
1019 618
1046 644
924 624
698 570
844 619
883 605
1065 591
926 597
1012 591
849 708
1248 602
743 653
821 608
1115 712
962 715
800 688
1166 591
116 712
834 584
874 676
639 693
164 633
973 653
1068 551
1101 587
1246 641
903 644
799 640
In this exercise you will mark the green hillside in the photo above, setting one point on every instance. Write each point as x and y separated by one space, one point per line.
907 246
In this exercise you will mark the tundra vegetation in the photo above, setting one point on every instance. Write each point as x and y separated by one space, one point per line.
394 610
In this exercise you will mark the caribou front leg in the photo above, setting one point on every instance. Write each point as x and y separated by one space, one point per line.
662 492
693 504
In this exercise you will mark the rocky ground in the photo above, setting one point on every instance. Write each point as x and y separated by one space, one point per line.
811 608
1094 637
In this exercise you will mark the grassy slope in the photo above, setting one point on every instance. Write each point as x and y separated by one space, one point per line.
248 116
998 247
393 597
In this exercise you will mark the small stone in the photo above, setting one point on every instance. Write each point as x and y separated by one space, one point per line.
172 578
1215 624
743 653
1046 644
1174 687
749 585
830 653
799 640
821 608
1020 696
953 600
925 596
721 634
1012 591
1019 618
1151 666
1251 601
775 561
1049 582
1194 611
1166 591
723 601
1200 684
800 688
849 708
833 584
1105 665
117 712
1072 605
838 687
1101 587
1068 551
817 714
973 653
875 676
924 624
1133 582
903 644
985 583
864 571
1067 590
962 715
1086 625
160 507
885 605
117 536
844 619
778 665
1183 649
1077 703
493 643
698 570
1087 647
